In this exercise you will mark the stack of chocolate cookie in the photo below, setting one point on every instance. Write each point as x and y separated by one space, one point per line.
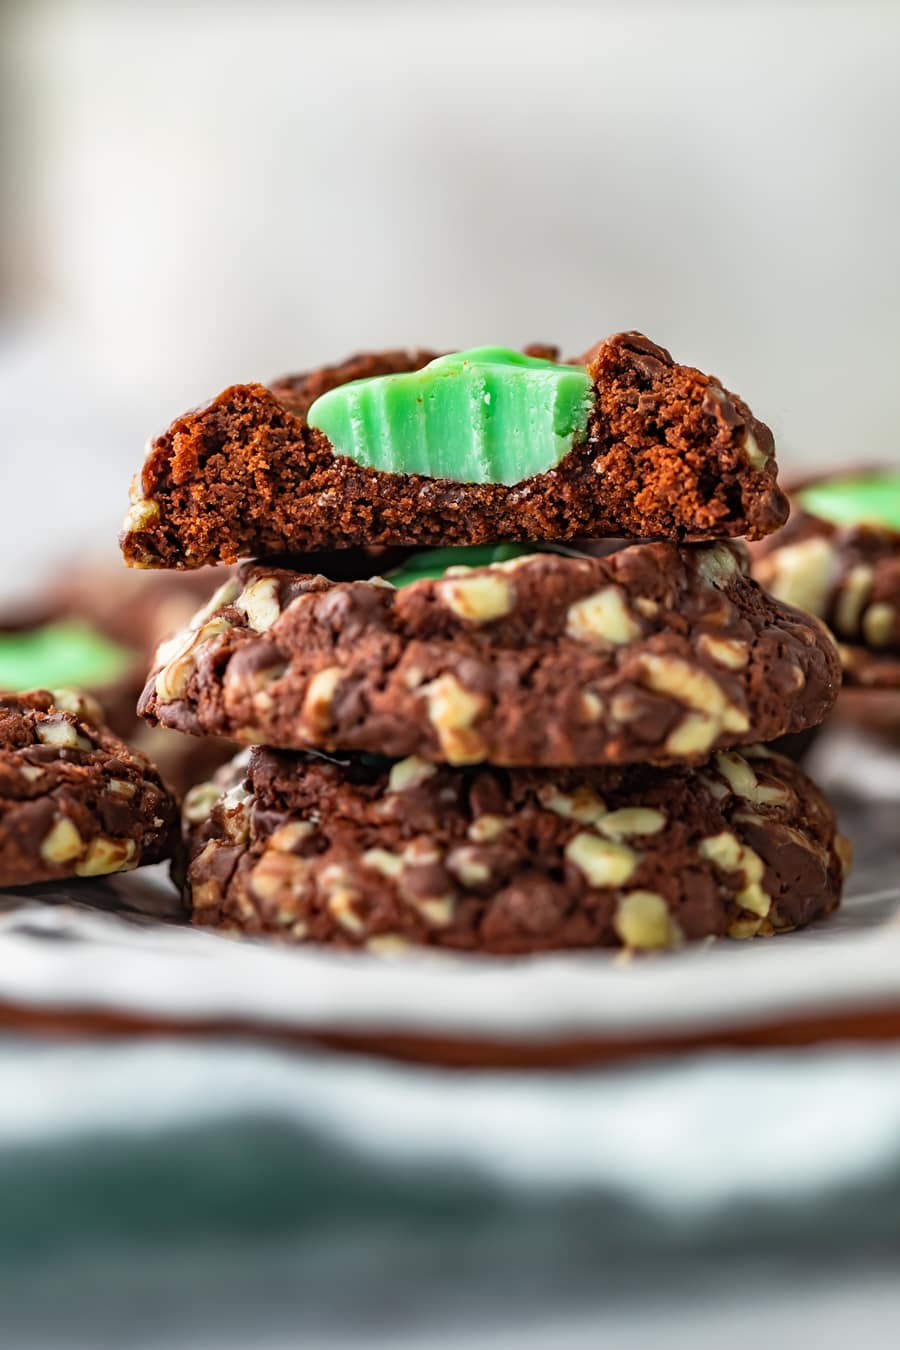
512 741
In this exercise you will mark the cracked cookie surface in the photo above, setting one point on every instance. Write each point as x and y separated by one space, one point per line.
365 853
651 653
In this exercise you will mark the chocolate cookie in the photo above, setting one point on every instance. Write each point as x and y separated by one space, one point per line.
654 652
74 799
472 448
365 853
839 558
44 648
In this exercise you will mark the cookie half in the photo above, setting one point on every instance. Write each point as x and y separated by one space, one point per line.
74 799
366 853
653 652
623 443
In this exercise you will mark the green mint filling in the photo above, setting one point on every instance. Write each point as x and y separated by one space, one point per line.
488 415
433 563
865 499
67 654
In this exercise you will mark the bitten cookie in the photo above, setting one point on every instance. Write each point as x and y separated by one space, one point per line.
74 800
472 447
653 652
365 853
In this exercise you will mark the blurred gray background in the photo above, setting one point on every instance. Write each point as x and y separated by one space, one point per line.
201 193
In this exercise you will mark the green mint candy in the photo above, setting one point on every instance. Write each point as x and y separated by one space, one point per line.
864 499
433 563
67 654
484 416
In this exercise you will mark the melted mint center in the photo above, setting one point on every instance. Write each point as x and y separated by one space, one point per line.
864 499
488 415
67 654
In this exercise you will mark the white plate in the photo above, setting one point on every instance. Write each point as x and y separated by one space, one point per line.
111 947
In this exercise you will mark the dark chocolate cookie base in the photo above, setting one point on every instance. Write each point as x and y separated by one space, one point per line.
366 854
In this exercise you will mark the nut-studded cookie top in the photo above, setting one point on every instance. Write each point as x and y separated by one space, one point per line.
383 856
666 451
74 800
653 652
841 566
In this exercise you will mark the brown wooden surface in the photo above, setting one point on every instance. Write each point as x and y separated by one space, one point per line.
870 1025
